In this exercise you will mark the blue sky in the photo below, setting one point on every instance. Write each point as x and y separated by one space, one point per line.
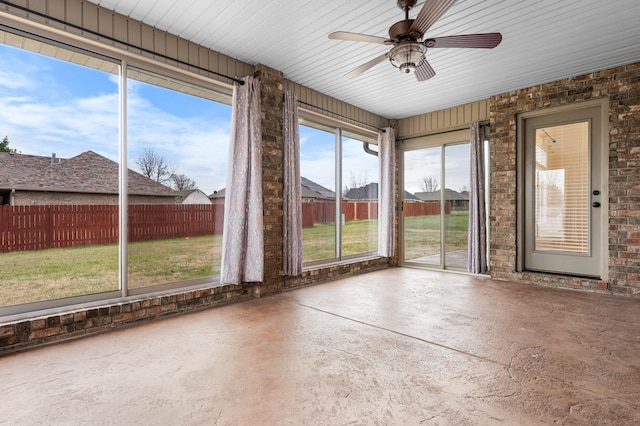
424 163
55 106
317 159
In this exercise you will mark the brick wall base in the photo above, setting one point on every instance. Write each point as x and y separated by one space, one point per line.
42 330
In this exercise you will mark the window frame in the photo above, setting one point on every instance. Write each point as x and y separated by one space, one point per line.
220 92
342 129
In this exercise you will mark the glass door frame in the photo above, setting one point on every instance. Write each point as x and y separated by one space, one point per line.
441 140
603 105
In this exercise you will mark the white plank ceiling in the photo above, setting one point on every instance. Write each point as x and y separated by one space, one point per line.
543 40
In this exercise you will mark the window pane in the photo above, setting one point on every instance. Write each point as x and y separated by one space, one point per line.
360 198
422 240
562 188
59 184
317 170
177 153
456 221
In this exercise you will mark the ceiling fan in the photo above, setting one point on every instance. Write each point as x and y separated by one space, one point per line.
409 46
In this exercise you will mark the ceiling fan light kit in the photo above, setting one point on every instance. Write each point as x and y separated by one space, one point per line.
408 53
407 56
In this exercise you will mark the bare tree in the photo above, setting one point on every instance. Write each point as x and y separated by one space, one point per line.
429 184
154 166
355 182
183 182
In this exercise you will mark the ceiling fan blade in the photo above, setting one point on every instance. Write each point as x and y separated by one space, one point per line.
431 11
424 71
364 67
479 41
343 35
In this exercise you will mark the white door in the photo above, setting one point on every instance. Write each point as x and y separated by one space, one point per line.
563 192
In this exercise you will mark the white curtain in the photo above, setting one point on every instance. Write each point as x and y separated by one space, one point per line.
242 238
386 200
292 191
477 252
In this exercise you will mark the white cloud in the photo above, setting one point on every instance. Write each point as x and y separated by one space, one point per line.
197 146
41 121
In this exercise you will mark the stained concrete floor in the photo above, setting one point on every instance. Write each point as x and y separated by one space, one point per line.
396 347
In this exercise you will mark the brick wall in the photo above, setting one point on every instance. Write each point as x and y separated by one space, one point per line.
43 198
271 100
76 323
621 86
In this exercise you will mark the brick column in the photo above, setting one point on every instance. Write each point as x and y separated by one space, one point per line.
271 99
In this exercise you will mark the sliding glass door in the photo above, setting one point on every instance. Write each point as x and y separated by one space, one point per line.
435 201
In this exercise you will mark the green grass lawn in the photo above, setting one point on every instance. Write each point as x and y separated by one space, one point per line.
358 236
422 234
32 276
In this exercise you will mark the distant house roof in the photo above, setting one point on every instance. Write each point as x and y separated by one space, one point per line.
311 189
87 173
449 195
367 192
370 192
192 196
410 196
217 194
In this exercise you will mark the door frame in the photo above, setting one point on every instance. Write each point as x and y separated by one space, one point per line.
450 137
603 105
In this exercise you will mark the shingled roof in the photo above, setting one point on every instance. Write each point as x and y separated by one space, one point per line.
87 173
311 189
370 192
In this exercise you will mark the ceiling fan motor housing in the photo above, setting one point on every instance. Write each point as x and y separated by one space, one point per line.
400 31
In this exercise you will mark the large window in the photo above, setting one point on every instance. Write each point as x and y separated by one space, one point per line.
178 139
58 228
64 140
339 186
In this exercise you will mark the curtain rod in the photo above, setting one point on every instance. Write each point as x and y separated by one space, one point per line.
115 40
482 124
340 115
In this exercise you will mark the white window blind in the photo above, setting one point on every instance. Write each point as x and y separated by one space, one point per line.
562 188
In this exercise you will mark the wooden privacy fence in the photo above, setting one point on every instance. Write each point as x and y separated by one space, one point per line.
427 208
325 211
56 226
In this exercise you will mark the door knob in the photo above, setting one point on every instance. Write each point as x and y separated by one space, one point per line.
596 192
595 204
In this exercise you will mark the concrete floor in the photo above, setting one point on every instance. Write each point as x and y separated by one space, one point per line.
399 346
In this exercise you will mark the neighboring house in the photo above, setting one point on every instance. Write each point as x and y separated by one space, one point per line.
193 196
311 192
369 192
87 178
458 200
217 197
